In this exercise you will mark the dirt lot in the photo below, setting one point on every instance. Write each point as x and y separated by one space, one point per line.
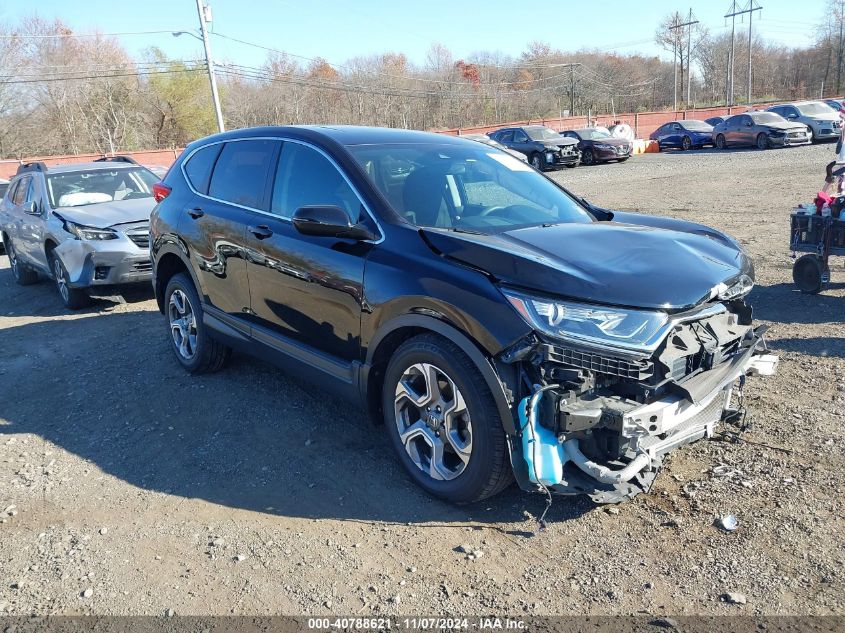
247 492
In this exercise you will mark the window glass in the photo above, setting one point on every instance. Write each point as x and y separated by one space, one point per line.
240 174
80 188
519 137
20 192
198 168
505 137
306 177
468 188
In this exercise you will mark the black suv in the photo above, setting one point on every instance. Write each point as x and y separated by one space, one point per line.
545 148
493 321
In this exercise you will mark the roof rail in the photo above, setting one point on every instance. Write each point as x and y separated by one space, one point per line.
33 166
117 159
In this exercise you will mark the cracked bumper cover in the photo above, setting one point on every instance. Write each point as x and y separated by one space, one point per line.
110 262
651 430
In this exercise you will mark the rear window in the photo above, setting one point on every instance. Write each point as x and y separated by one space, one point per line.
199 166
240 174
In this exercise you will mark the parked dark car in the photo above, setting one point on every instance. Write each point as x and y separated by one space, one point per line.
836 104
483 138
715 120
449 288
688 134
760 129
545 148
598 146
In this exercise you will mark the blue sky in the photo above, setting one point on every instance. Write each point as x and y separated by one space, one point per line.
340 29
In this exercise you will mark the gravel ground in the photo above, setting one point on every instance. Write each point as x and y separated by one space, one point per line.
129 487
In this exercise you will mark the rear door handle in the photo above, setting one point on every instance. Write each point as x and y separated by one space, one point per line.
262 231
196 213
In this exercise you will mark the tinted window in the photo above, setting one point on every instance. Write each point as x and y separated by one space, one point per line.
199 166
734 120
21 190
240 174
519 137
306 177
505 137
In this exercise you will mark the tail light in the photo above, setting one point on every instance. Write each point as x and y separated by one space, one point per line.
161 191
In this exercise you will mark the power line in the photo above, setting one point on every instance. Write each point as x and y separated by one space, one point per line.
101 76
23 36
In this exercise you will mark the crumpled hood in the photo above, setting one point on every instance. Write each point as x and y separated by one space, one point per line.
563 141
107 214
603 262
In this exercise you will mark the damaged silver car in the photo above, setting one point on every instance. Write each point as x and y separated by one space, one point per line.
86 226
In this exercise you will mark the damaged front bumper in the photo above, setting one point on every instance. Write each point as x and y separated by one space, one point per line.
123 260
608 437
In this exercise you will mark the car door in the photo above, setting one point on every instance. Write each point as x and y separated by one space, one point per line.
505 137
19 224
307 292
522 143
232 180
32 234
732 130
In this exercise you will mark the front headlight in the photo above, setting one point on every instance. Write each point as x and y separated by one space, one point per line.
603 146
618 327
90 233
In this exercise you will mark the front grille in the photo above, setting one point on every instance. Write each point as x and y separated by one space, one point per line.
568 150
142 240
634 369
797 134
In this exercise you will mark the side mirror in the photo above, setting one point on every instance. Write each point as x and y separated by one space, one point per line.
329 221
30 208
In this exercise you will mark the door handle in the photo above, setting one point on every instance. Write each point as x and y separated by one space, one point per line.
196 213
262 231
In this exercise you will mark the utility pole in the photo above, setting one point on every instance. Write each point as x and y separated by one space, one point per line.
572 90
690 21
205 16
841 17
729 67
750 9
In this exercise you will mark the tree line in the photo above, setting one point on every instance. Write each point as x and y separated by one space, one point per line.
63 94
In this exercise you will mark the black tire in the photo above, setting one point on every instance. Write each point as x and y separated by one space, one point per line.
721 143
762 141
808 273
72 298
536 161
587 157
686 143
488 470
813 138
208 354
23 276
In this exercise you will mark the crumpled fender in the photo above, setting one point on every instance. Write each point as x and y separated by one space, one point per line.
73 255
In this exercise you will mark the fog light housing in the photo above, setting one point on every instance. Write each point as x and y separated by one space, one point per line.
101 272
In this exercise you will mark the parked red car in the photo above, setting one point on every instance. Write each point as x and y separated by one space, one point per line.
598 146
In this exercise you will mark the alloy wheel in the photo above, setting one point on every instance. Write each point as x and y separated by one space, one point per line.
61 279
13 259
686 144
433 421
183 324
536 162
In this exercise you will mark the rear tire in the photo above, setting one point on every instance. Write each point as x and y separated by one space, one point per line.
472 462
23 276
196 350
73 298
808 273
720 141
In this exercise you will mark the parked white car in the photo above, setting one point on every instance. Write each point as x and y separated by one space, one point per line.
83 225
822 120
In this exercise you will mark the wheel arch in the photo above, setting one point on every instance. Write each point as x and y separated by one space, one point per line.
170 262
404 327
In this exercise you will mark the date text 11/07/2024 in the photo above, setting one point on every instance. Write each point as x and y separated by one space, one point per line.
416 624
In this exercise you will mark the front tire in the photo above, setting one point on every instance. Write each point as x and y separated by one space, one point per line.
536 161
23 276
762 141
190 339
720 142
72 298
588 158
686 143
443 422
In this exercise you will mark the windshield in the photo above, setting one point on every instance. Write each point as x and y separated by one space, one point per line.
593 134
694 125
766 118
465 188
809 109
80 188
541 134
